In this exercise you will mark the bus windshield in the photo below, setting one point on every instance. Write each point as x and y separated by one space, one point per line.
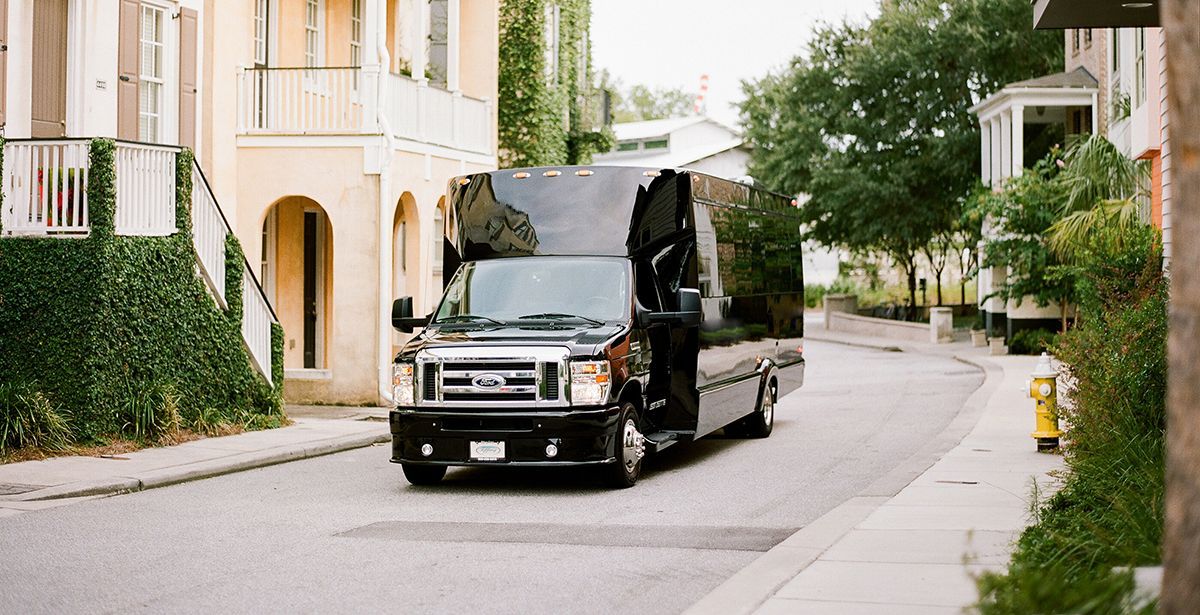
593 289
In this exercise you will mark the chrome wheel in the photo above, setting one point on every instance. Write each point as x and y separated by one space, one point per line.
768 407
633 444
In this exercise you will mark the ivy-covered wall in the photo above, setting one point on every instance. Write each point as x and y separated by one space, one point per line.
547 121
88 322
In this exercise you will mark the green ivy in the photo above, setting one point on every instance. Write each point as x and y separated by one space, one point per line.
543 123
88 322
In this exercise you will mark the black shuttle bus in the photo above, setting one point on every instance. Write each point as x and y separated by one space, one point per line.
591 315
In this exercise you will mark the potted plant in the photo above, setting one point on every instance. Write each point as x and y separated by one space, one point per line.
978 333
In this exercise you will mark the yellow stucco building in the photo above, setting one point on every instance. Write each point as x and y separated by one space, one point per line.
337 160
326 130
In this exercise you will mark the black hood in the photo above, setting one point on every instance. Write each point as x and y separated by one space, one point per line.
580 339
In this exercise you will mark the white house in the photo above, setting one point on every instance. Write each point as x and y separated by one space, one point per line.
695 142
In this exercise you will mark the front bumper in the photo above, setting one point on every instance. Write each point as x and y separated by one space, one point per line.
583 437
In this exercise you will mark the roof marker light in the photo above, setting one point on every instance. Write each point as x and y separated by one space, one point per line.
521 175
651 173
551 173
585 172
462 181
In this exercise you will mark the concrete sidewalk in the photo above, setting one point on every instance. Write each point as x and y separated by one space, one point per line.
914 541
30 485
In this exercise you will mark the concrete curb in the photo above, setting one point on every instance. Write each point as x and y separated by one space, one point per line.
204 469
893 347
751 586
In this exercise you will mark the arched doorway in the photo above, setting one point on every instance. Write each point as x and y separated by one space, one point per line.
406 272
297 273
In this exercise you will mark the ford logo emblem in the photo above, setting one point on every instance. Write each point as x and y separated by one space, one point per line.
487 381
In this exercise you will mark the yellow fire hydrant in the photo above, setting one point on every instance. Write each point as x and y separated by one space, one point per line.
1043 388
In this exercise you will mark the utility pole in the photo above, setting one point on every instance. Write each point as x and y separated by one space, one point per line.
1181 540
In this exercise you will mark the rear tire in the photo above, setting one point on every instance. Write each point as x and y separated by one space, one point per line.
630 450
760 423
763 419
423 475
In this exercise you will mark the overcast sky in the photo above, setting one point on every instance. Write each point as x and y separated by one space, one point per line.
670 43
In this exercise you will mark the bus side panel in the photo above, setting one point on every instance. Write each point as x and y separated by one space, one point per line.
750 274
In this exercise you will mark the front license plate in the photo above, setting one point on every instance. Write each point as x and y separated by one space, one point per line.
487 450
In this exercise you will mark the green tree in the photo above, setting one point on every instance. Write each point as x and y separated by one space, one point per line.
873 121
641 102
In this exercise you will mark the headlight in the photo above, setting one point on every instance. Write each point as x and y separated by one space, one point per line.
402 384
589 382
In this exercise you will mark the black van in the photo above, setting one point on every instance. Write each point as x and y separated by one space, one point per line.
593 314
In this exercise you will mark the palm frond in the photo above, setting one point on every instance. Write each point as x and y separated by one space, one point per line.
1111 218
1096 171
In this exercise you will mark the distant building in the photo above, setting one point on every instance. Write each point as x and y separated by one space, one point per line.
696 142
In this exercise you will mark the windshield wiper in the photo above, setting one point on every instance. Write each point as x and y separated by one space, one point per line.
460 318
559 316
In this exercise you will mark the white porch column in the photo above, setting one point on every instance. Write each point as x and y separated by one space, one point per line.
452 41
1005 144
420 34
994 124
985 152
374 14
1018 140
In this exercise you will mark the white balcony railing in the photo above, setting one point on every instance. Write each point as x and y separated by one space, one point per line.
45 187
300 101
145 189
256 322
311 101
209 232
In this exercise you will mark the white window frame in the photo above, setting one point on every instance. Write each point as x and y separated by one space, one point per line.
356 31
1139 67
314 80
168 128
261 31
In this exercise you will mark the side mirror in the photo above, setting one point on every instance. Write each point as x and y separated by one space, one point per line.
402 315
689 310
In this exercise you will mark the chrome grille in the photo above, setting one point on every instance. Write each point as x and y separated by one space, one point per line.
492 377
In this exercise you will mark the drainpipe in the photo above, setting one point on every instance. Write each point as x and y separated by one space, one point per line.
388 142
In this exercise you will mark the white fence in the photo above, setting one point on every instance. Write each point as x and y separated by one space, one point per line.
256 322
209 231
303 101
45 187
145 189
300 100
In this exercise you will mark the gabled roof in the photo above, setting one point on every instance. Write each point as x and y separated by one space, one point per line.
1078 78
647 129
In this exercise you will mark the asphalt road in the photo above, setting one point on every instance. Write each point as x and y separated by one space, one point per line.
346 532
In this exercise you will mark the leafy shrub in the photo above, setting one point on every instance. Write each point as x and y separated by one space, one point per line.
1109 512
1031 341
27 418
152 413
100 320
814 294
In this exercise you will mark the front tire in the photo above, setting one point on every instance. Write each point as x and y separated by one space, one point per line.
630 450
423 475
